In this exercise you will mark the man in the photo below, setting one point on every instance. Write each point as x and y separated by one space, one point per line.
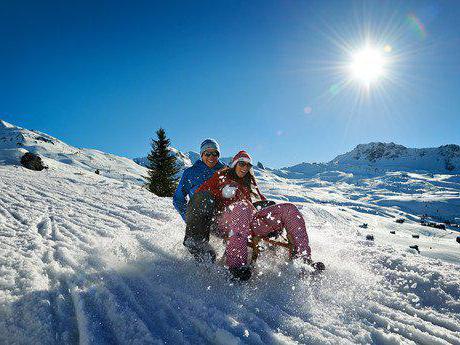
198 212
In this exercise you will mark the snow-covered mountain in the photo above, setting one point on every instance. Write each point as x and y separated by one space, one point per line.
15 141
89 259
377 158
390 156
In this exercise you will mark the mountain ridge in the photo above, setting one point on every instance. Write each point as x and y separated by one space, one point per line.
15 141
380 157
373 157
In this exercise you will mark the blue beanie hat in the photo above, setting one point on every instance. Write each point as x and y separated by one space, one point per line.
209 144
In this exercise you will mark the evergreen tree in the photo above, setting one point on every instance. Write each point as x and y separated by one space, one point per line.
162 167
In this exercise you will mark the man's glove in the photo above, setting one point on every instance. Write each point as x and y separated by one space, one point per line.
263 203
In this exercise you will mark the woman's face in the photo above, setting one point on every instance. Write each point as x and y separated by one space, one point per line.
242 168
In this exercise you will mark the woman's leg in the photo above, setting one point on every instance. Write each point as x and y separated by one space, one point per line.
275 218
235 221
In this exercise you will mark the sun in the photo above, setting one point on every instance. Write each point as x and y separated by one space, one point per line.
367 65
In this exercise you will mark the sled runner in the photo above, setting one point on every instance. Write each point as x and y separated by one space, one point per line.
284 242
254 244
272 240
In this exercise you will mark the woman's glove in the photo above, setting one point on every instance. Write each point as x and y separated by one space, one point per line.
229 191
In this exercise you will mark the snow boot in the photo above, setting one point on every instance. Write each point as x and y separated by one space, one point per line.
306 266
318 266
202 252
241 273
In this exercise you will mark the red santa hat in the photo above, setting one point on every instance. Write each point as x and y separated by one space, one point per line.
241 156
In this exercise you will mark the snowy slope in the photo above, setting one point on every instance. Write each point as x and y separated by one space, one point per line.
93 259
15 141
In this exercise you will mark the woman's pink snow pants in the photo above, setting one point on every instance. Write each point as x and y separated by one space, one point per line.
241 219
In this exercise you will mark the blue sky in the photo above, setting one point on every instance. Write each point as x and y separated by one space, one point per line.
265 76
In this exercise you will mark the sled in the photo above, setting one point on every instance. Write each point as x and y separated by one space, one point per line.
272 240
254 244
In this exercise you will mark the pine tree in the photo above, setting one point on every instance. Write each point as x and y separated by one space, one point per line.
162 167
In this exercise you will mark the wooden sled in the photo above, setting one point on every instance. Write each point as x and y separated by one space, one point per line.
272 240
254 244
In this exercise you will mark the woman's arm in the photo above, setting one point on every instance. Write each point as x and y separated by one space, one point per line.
211 185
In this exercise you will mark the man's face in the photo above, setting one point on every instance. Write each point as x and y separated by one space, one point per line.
210 158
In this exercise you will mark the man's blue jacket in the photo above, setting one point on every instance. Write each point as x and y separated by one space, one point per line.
192 178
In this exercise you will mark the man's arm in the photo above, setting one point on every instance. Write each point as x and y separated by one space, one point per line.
179 200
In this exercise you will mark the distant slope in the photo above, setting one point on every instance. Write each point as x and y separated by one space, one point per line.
377 158
15 141
183 161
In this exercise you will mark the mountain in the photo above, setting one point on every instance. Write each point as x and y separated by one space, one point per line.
377 158
15 141
390 156
372 158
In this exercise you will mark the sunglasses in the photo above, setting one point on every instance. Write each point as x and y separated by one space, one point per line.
213 153
243 164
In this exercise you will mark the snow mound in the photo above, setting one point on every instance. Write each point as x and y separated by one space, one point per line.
12 156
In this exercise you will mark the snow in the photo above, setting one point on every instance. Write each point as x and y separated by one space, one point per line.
97 259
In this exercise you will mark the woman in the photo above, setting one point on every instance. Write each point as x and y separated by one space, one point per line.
235 190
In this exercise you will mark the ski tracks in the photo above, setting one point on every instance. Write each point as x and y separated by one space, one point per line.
63 230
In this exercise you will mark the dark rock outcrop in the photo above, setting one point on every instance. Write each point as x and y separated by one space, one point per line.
33 162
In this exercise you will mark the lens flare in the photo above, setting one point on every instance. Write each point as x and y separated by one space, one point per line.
416 25
307 110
